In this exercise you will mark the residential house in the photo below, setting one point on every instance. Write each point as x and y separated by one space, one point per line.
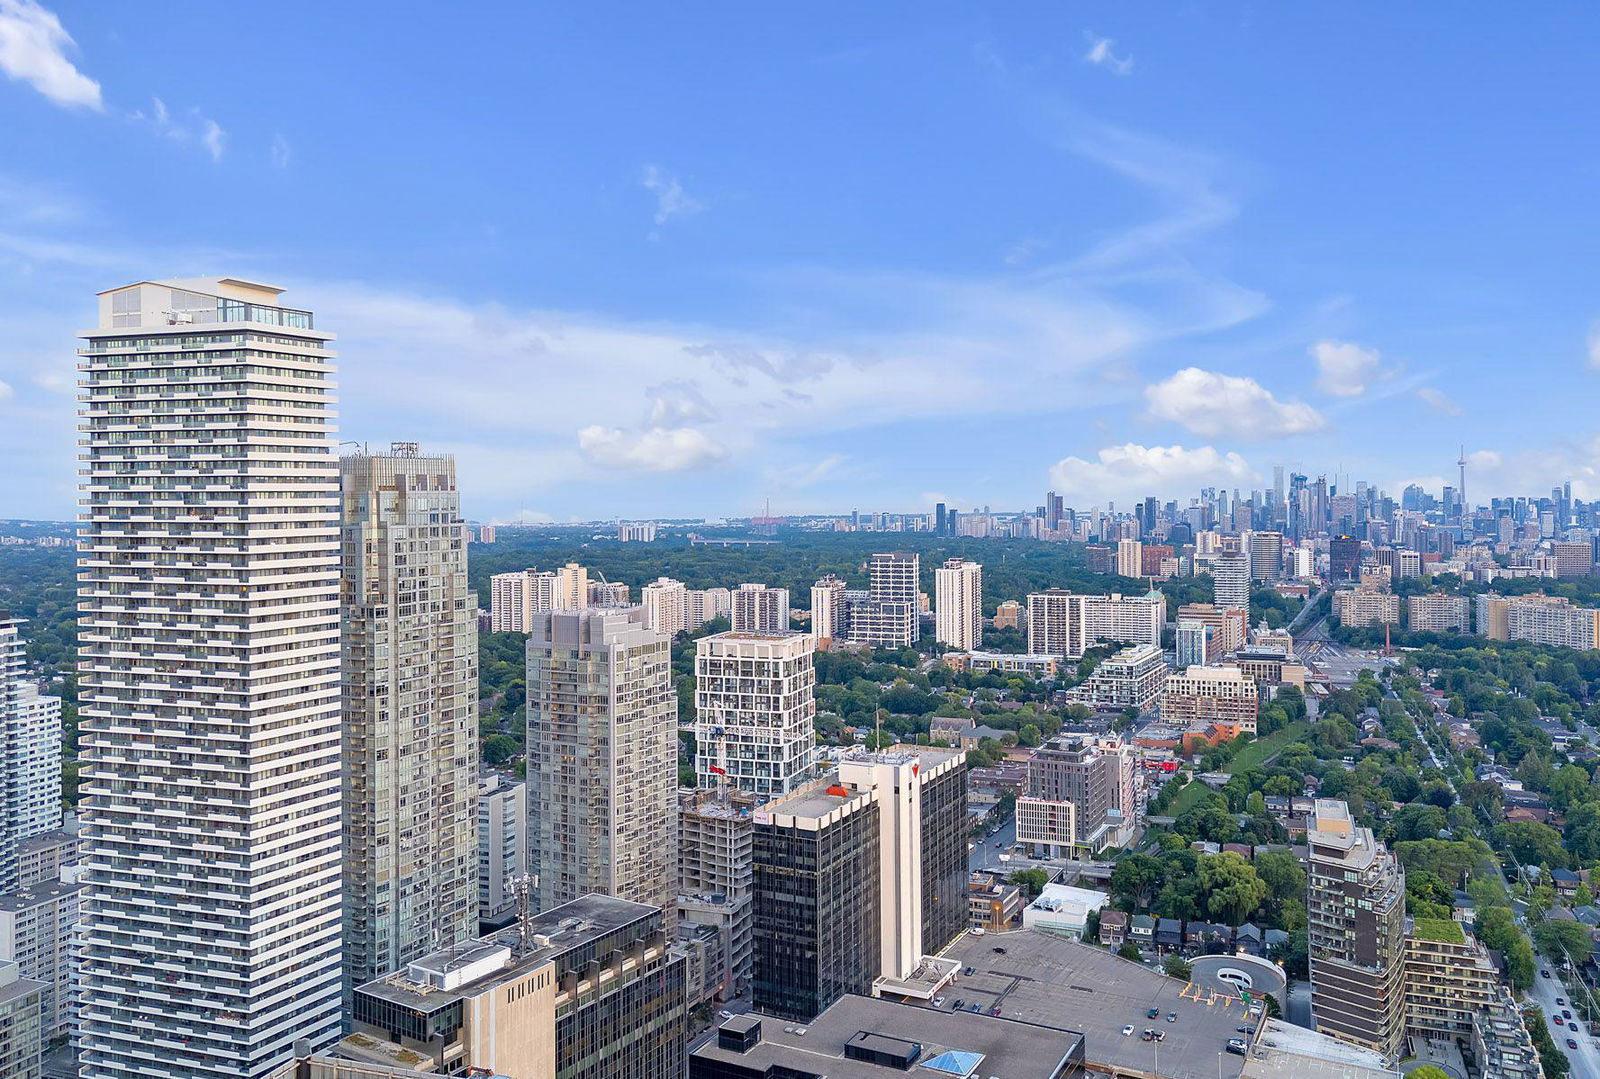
1169 935
1113 927
1142 930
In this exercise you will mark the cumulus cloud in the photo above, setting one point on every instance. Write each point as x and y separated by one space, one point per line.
1100 54
1212 404
653 449
33 50
1439 401
671 199
1344 368
1130 470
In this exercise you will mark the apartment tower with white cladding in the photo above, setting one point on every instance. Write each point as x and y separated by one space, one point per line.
958 604
209 683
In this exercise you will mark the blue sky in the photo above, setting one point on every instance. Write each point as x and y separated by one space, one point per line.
642 259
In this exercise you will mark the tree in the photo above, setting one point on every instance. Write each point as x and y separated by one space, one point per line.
1177 968
1280 871
1232 889
1418 821
1137 877
1031 881
1583 831
1130 950
1561 939
1532 843
1029 735
1497 929
499 748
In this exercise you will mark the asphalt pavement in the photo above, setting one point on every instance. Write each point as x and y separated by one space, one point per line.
986 855
1586 1058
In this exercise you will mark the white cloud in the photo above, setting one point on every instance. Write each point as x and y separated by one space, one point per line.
1530 472
282 152
1131 471
804 474
1594 345
671 199
33 49
1101 55
192 128
652 449
1344 368
6 392
1213 404
1439 401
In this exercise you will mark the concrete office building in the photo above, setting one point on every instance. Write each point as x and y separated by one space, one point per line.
502 847
859 880
716 872
755 707
591 989
958 604
37 927
410 718
1265 550
602 757
1436 612
1199 696
666 606
829 611
1230 581
816 922
759 609
1067 624
30 754
1355 910
22 1036
1132 678
1573 559
208 619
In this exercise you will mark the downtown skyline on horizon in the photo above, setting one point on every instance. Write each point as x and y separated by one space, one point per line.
1126 275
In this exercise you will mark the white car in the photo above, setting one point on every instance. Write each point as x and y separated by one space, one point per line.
1127 1031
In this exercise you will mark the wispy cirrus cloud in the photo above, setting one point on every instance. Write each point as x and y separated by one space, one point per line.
34 49
191 128
1438 400
671 199
1101 54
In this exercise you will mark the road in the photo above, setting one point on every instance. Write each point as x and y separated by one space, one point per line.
987 856
1586 1058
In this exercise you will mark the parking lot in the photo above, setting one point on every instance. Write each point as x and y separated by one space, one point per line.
1057 982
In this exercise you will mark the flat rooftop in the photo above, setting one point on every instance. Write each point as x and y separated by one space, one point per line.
1003 1046
555 932
34 894
1041 978
1285 1049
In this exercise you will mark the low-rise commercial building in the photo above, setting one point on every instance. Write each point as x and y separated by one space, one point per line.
1034 666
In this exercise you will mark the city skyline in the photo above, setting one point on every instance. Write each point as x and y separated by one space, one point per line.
1144 230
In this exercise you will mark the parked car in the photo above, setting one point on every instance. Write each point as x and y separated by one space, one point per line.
1127 1031
1245 1030
1172 1017
1237 1045
1544 974
1152 1013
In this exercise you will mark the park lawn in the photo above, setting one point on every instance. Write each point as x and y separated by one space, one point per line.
1253 755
